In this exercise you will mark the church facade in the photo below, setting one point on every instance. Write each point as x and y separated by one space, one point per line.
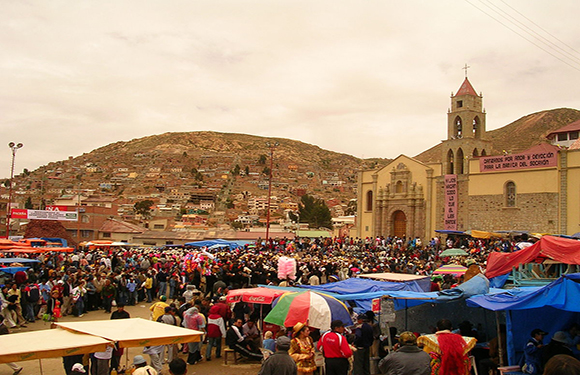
473 186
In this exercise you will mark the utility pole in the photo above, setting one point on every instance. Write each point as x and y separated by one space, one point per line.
13 147
271 146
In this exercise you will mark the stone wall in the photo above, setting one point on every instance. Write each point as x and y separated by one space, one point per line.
537 212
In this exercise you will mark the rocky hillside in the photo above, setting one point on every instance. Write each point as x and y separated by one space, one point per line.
520 134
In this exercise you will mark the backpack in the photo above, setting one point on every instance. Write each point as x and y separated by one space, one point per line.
33 294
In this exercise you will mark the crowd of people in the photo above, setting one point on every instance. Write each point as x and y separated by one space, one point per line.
187 287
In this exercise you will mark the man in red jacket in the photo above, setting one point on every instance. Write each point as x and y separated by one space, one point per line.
335 349
216 329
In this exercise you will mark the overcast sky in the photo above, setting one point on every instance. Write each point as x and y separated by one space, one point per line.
367 78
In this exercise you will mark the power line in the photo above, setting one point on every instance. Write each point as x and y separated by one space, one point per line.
522 36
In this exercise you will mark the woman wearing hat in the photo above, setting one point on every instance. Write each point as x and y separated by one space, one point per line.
302 349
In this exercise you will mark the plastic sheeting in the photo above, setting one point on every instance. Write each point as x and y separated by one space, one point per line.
358 285
218 242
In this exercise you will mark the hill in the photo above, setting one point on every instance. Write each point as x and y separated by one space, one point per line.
520 135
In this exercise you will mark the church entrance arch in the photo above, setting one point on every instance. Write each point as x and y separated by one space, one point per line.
399 223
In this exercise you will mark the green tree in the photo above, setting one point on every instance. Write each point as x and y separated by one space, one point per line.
236 170
237 225
315 212
262 159
247 170
26 172
266 171
28 204
351 208
143 208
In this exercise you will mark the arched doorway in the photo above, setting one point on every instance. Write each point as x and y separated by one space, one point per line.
399 224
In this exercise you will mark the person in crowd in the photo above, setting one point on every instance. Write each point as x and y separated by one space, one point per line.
236 341
158 308
120 313
407 358
192 319
558 345
302 349
108 294
562 364
216 329
170 317
269 343
178 367
155 355
141 366
335 349
280 363
4 331
101 362
449 351
252 333
534 352
364 340
69 362
77 295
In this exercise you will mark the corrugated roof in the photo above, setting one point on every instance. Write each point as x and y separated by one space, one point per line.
118 226
575 126
466 89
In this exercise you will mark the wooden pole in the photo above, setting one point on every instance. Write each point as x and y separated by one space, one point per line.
500 348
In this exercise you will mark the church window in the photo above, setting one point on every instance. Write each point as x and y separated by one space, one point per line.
459 162
475 153
476 127
573 135
563 137
510 194
450 162
369 200
458 127
399 187
459 103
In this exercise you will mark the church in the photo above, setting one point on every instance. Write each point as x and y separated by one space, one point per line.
472 186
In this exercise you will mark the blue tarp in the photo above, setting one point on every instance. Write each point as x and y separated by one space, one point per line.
18 260
13 270
210 243
360 285
552 308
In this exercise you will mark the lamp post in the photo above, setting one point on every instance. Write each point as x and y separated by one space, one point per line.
271 146
13 147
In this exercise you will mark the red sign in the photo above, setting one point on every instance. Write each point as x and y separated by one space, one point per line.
18 213
541 156
450 218
60 208
376 305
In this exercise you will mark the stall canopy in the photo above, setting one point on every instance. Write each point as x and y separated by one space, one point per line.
360 285
18 260
260 295
562 250
13 270
215 243
552 308
135 332
48 343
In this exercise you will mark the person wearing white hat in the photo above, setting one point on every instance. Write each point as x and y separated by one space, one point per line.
141 366
78 368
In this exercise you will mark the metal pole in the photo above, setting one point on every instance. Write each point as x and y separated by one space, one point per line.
13 147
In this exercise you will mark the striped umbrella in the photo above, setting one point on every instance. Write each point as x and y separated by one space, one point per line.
451 269
316 309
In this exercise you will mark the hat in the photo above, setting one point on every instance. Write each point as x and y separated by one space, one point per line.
268 335
163 298
222 298
77 367
298 327
562 337
283 343
139 360
538 331
407 338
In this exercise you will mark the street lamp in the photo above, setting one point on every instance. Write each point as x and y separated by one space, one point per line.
271 146
13 147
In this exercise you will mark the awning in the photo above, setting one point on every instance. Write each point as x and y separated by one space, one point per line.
259 295
135 332
48 343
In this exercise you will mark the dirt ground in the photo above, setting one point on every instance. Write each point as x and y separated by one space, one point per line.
53 366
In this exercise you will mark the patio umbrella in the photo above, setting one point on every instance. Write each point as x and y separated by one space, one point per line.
317 309
453 253
451 269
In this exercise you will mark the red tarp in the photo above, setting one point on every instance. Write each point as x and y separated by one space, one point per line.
559 249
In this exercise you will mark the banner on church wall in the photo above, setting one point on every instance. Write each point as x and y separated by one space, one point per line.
524 160
450 219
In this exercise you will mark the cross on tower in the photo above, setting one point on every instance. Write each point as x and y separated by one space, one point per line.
465 68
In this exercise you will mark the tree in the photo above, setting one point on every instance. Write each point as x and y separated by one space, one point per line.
236 170
351 208
26 172
247 170
143 208
262 159
315 212
266 171
28 204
